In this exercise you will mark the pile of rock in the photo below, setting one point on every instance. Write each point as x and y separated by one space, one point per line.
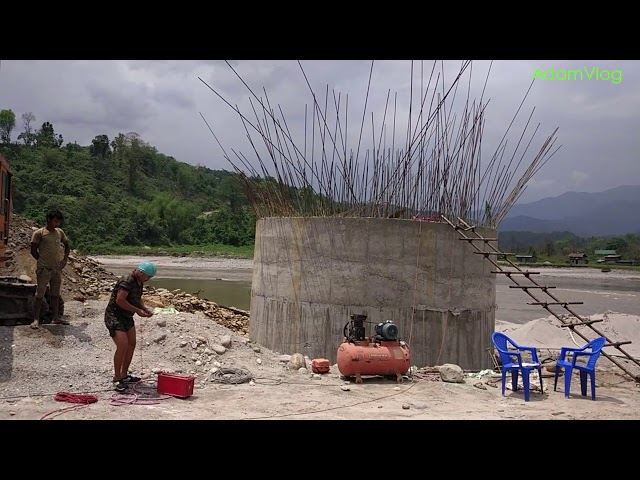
203 354
20 233
86 279
233 318
89 277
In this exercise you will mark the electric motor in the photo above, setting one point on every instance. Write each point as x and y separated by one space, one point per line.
387 330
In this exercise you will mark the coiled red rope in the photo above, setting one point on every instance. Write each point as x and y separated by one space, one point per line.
136 397
75 397
81 400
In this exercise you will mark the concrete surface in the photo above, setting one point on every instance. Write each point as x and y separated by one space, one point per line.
310 274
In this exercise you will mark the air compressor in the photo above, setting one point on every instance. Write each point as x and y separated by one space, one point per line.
380 354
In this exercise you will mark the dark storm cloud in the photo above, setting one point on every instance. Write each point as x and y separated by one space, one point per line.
162 101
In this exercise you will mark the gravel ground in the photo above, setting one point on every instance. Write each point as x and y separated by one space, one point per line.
78 357
37 364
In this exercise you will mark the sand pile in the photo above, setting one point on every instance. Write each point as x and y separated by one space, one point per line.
547 332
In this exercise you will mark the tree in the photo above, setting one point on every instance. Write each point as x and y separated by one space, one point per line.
230 192
27 136
617 244
7 123
549 248
129 152
100 146
135 144
118 146
140 157
46 137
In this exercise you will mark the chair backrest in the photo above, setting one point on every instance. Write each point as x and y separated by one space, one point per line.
596 346
501 342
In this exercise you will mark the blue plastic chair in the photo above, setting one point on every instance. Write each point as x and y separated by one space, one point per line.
502 342
589 369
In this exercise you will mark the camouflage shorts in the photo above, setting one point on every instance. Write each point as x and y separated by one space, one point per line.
116 323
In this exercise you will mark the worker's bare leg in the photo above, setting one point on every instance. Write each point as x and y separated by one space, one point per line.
122 344
37 306
56 283
128 356
54 309
43 277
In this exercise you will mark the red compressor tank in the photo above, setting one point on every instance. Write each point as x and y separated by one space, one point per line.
373 358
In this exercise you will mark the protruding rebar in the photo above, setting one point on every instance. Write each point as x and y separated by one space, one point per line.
438 171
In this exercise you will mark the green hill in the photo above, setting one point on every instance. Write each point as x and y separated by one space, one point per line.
122 196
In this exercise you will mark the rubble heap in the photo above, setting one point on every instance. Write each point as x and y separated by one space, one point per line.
86 279
232 318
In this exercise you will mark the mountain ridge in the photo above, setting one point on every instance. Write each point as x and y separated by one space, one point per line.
611 212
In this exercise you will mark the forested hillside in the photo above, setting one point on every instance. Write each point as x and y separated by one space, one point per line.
122 191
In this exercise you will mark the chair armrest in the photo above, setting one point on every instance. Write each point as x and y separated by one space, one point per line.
522 364
577 353
518 355
565 350
533 351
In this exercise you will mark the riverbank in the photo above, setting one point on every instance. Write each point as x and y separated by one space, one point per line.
247 252
228 282
208 251
194 265
167 261
566 266
194 268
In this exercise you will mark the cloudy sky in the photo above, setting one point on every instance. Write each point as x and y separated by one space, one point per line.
598 119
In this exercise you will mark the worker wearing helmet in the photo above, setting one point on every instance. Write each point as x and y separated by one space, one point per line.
125 302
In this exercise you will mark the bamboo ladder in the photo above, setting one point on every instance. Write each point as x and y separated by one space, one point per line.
461 227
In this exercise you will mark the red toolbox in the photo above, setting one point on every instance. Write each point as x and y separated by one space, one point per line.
175 384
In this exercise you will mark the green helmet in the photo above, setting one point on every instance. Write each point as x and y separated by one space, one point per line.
148 268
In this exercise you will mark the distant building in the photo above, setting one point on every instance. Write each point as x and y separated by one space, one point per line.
526 258
578 259
612 258
604 252
628 262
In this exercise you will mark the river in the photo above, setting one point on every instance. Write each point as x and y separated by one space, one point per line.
228 282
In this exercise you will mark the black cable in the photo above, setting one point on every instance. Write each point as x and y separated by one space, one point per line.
231 376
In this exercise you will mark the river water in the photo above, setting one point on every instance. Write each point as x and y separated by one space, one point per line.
228 293
228 283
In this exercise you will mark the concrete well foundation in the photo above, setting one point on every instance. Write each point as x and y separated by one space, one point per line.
310 274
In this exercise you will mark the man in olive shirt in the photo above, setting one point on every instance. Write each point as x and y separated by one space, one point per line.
45 248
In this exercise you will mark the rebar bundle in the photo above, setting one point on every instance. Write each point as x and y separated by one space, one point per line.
436 171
